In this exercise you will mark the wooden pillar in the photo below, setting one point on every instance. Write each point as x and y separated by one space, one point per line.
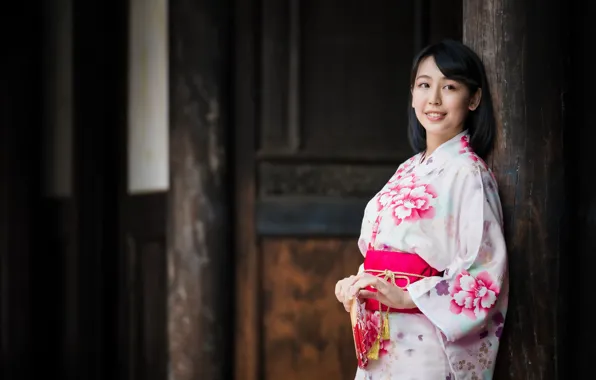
19 177
523 46
200 274
22 337
580 143
99 114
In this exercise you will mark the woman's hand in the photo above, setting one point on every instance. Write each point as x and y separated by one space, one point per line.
342 289
387 293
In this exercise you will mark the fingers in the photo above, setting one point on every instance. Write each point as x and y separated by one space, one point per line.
338 291
339 288
348 286
366 280
348 304
342 287
368 294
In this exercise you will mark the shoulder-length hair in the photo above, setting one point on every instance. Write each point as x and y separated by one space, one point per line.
460 63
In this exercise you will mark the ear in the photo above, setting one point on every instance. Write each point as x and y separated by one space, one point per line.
475 100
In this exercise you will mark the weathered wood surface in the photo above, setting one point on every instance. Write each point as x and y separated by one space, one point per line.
307 334
522 44
298 174
247 360
199 275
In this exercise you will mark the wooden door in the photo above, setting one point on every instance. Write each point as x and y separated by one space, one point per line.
321 96
99 279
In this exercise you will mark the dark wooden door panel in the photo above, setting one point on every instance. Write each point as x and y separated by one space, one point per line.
353 88
321 108
306 333
334 79
309 199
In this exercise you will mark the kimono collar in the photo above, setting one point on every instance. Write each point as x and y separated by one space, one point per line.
451 148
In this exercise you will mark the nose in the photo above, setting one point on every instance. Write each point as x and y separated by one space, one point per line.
434 98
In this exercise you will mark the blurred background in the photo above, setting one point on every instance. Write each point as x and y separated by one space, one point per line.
183 181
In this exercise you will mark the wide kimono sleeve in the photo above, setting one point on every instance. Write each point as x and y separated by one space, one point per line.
463 300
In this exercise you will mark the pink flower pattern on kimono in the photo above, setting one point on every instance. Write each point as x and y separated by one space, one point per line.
473 296
420 211
371 325
466 148
464 143
403 171
408 200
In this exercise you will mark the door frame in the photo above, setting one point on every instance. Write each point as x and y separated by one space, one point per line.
247 329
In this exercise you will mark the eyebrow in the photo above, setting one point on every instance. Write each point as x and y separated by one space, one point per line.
423 76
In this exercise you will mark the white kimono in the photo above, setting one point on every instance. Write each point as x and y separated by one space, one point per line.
447 210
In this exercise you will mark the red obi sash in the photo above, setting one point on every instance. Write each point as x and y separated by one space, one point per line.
399 268
370 321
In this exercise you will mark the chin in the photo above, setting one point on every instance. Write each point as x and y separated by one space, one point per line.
437 129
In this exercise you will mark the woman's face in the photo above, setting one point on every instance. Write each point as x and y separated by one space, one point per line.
441 104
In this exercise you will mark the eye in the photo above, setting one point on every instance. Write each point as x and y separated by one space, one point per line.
450 87
423 85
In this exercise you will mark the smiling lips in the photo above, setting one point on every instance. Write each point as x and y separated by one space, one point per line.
435 116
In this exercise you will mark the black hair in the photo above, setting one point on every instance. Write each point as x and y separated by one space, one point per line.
458 62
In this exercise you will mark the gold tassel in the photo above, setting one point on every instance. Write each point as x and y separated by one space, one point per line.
373 354
385 327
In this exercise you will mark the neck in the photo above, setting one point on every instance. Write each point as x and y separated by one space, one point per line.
434 141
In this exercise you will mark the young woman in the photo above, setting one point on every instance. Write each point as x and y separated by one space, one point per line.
433 287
